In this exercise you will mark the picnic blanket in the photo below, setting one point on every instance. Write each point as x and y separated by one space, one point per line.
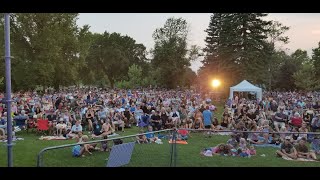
298 159
52 138
178 142
13 139
266 145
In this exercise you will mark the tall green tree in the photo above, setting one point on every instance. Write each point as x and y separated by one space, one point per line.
316 59
170 51
135 76
240 45
111 55
236 46
48 48
305 78
291 65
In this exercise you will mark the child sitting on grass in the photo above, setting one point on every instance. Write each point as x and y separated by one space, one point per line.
233 141
141 138
150 135
183 133
104 144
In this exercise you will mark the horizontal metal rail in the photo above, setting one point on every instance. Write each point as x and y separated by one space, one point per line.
234 131
39 156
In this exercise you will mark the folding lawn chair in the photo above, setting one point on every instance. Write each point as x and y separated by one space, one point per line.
42 125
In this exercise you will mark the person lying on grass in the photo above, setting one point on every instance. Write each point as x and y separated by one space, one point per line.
221 149
81 150
303 150
287 149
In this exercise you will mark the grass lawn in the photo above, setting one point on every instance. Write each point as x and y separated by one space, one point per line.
146 155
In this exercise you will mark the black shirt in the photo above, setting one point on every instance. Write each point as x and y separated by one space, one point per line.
145 109
155 117
127 114
288 148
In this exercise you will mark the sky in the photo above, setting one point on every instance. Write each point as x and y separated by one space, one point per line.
304 30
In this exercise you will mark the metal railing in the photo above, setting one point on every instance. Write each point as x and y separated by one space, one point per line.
40 154
236 131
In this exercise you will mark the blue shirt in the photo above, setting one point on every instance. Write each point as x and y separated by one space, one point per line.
103 114
207 116
76 128
132 109
150 135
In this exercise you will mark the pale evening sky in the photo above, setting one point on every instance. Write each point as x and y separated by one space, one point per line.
304 30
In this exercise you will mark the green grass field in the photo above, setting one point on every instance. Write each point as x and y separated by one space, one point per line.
144 155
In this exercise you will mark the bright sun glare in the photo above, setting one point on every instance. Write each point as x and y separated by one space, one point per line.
215 83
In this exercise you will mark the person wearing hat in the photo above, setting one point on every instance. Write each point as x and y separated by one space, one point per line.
287 149
303 150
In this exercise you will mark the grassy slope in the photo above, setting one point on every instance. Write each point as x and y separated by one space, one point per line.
147 155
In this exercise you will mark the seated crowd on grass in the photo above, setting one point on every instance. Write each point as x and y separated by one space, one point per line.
282 119
102 112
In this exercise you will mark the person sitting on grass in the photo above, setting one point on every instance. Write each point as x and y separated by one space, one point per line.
183 133
150 135
233 141
106 129
287 149
141 138
252 151
61 127
77 128
104 144
303 151
3 134
315 144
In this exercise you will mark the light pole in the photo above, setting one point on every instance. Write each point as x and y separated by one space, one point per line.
8 86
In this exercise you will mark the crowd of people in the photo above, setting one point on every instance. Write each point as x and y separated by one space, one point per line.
102 112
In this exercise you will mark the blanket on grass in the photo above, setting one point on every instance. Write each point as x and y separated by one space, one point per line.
178 142
13 139
299 159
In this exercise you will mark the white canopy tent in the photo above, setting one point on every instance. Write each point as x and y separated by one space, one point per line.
245 86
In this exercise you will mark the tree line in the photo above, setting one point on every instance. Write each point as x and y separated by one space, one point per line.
243 46
51 50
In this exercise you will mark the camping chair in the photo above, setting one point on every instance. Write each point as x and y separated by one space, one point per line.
42 125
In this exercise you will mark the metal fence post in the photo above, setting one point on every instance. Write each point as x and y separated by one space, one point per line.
173 153
8 87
